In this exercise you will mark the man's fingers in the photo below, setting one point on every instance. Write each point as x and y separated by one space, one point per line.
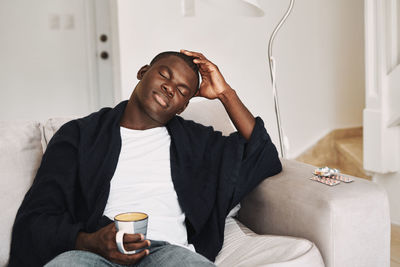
205 65
129 238
193 54
137 245
200 61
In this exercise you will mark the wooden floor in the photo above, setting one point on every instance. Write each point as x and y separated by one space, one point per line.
395 247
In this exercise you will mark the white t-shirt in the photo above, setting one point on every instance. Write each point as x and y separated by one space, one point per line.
142 182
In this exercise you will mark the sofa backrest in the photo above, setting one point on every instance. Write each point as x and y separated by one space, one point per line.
20 155
51 127
209 113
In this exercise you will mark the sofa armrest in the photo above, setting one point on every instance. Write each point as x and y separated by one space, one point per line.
349 223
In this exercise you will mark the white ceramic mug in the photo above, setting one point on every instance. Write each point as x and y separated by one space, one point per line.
130 223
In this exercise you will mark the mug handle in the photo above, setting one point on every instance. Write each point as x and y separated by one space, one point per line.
119 238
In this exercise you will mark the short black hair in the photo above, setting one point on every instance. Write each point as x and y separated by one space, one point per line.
188 60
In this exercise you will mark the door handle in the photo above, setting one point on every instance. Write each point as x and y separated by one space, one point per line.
103 38
104 55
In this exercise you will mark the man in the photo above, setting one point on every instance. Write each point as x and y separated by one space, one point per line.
140 156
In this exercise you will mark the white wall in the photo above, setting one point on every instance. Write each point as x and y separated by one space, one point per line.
319 53
43 59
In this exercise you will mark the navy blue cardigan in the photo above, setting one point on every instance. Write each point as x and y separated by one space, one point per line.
211 173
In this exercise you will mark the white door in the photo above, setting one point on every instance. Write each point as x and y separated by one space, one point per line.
106 51
50 58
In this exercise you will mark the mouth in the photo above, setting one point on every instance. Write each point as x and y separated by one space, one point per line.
161 99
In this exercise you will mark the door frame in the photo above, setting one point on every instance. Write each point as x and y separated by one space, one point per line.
381 130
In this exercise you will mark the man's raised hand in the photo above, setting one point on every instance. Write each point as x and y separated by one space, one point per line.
213 84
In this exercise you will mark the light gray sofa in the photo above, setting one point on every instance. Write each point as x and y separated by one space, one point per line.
294 221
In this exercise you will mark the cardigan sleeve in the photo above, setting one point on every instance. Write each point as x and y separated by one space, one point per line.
45 225
229 166
244 164
259 161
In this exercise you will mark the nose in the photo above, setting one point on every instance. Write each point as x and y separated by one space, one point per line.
168 89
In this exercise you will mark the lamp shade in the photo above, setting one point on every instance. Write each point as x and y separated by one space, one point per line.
246 8
252 8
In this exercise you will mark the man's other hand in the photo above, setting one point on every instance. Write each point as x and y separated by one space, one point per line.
103 243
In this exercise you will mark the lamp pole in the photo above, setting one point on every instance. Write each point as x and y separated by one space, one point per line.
272 69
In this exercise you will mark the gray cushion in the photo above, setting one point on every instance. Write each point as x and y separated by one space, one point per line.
51 127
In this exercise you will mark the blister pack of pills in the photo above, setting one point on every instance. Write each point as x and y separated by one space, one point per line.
325 180
342 178
329 176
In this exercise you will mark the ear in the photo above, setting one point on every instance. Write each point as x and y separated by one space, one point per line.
142 71
183 108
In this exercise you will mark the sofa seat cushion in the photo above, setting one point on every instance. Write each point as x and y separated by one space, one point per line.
243 247
20 155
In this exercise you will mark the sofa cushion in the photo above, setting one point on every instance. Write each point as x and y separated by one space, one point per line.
209 113
51 127
20 155
243 247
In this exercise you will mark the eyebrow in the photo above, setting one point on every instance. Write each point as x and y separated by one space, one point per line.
170 72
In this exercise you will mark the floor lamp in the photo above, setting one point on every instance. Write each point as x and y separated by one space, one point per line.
252 8
283 141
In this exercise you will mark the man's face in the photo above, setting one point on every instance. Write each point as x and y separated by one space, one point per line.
165 88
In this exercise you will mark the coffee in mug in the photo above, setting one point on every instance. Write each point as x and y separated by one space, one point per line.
130 223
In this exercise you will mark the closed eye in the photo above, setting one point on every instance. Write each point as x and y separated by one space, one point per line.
180 91
163 75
